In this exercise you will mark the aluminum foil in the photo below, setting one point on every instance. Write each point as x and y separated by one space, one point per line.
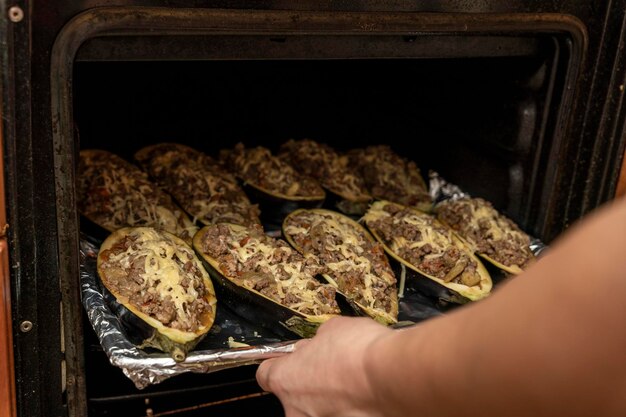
216 352
145 368
441 190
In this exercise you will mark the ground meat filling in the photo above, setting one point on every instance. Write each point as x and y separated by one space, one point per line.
114 193
323 163
490 232
356 263
424 243
199 184
390 177
270 266
260 168
161 278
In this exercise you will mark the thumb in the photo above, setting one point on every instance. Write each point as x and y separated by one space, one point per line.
263 374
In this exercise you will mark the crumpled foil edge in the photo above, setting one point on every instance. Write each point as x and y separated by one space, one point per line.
145 369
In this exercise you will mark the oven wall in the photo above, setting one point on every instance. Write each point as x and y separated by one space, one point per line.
478 122
595 131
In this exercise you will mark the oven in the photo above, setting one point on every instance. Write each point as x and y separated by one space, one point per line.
518 102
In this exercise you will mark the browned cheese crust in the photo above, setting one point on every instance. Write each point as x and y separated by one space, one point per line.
489 232
388 176
424 243
271 267
355 261
113 193
199 184
323 163
258 167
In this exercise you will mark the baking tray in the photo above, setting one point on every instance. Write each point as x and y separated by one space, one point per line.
232 341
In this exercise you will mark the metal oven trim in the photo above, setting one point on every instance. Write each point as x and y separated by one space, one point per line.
101 22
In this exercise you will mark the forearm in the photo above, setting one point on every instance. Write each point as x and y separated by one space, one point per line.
523 349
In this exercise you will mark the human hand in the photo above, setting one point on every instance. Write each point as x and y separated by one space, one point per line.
326 375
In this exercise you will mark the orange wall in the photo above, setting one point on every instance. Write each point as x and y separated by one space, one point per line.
7 378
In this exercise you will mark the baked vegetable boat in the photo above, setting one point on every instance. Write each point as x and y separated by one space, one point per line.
273 183
390 177
492 235
255 269
355 262
198 183
114 193
345 188
159 278
421 243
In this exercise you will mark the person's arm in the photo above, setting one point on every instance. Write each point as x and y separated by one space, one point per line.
550 342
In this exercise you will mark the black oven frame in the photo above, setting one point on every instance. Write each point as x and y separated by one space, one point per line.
37 59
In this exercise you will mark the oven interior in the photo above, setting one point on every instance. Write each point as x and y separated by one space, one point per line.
483 123
480 111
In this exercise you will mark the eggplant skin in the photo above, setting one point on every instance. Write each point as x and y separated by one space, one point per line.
368 280
174 271
253 293
441 242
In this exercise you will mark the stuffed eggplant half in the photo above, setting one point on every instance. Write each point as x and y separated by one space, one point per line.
159 278
493 236
390 177
355 262
256 270
418 241
198 183
113 193
274 184
346 190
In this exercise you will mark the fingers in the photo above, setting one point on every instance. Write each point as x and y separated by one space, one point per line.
300 344
263 374
345 323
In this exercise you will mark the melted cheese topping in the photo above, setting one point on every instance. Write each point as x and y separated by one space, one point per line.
343 252
439 239
323 163
199 184
115 194
498 227
484 228
389 176
262 169
269 256
425 230
162 274
297 279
